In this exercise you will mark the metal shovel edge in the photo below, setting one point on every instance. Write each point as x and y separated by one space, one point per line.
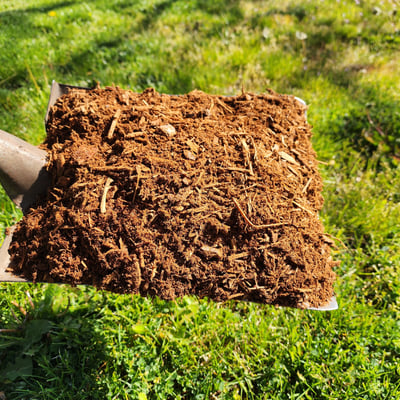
24 176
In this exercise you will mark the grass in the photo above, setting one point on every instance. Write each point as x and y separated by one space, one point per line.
342 58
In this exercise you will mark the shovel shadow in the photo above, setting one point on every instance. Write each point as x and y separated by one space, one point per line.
57 348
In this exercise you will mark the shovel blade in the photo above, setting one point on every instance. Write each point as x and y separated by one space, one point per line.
22 170
6 275
24 177
57 90
35 159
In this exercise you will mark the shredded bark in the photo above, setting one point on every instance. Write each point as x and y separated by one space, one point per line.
168 195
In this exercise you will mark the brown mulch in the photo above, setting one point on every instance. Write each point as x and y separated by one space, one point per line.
168 195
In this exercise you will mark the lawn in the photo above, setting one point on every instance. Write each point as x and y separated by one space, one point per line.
343 59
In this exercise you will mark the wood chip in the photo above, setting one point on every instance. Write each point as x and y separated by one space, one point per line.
103 201
189 155
168 129
113 124
211 252
288 157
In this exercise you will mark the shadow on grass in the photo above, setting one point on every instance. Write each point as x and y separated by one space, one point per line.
53 353
16 26
142 57
371 122
96 51
152 14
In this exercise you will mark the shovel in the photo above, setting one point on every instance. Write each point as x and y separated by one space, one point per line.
24 177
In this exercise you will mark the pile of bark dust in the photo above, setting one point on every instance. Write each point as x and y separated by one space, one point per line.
168 195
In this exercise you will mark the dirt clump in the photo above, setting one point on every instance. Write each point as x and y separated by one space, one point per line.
168 195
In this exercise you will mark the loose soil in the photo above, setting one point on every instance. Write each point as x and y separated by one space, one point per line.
168 195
